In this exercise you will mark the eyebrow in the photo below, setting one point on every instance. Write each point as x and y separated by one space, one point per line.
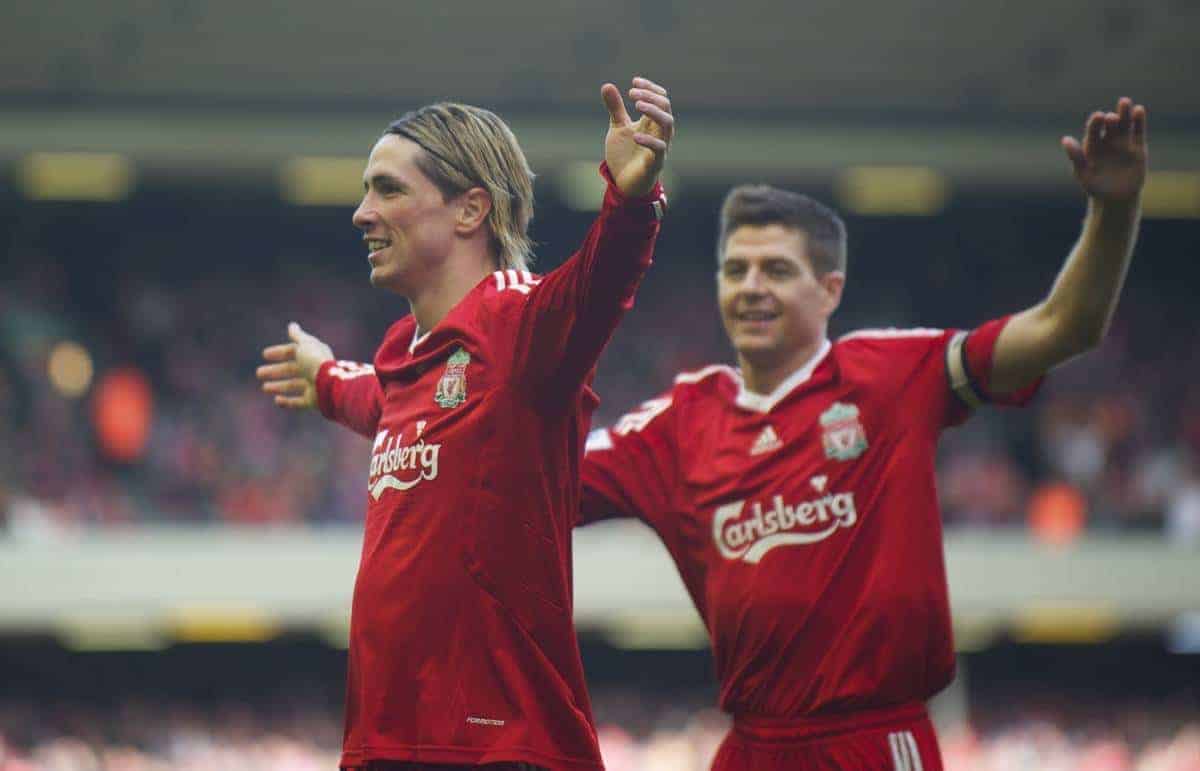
770 258
375 180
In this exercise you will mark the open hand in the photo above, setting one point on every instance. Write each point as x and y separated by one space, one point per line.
635 151
1110 164
291 374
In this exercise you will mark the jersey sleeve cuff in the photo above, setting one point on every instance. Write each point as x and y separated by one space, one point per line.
324 385
651 207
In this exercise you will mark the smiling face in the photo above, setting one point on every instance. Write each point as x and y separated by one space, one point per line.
772 302
407 224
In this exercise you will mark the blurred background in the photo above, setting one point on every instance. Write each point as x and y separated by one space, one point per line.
176 184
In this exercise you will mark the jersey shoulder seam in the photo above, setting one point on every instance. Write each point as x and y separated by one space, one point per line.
892 333
700 385
705 373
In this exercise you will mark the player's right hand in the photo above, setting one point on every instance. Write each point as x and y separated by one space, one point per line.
635 152
291 372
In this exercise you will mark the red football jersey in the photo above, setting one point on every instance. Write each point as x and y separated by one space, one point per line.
805 523
462 648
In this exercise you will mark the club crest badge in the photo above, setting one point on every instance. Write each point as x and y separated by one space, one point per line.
452 388
843 436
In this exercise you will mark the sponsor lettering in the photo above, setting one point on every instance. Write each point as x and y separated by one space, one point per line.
399 466
748 538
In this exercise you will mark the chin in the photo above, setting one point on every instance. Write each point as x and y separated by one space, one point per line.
389 281
380 278
755 347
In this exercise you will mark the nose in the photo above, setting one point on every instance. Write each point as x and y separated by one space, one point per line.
753 283
364 216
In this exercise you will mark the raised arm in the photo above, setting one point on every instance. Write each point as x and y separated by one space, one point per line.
569 314
1110 165
303 374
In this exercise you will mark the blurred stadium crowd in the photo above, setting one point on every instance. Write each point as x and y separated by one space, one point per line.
151 736
180 434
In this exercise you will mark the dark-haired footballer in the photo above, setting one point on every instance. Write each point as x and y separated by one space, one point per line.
796 492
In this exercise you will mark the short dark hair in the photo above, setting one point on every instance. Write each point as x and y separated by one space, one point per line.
766 205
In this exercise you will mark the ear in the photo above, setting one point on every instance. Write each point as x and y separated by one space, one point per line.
475 206
832 282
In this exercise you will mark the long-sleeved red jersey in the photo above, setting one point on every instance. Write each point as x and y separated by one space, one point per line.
805 523
462 648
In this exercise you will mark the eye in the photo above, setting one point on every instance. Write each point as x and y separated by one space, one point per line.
734 270
779 270
385 187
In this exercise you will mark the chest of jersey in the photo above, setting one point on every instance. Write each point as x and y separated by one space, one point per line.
799 475
792 522
430 406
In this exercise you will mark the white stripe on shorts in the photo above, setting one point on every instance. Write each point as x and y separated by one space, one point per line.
905 755
911 741
899 762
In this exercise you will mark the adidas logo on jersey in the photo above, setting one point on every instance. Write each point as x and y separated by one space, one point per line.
767 441
780 524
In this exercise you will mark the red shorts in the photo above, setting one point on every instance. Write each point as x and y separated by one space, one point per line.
891 739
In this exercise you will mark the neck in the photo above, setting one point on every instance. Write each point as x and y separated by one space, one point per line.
447 287
763 374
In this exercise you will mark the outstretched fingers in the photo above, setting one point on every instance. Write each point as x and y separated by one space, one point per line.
649 85
652 102
281 352
1139 125
283 376
280 371
292 402
1124 115
1093 131
1112 126
1074 152
617 115
661 117
1126 127
643 97
651 142
291 387
296 333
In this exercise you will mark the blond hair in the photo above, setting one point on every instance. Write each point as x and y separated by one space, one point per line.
468 147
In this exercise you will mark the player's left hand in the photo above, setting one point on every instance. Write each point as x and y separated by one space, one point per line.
1110 164
635 151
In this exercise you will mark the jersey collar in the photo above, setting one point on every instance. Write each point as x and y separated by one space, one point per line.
766 402
418 338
